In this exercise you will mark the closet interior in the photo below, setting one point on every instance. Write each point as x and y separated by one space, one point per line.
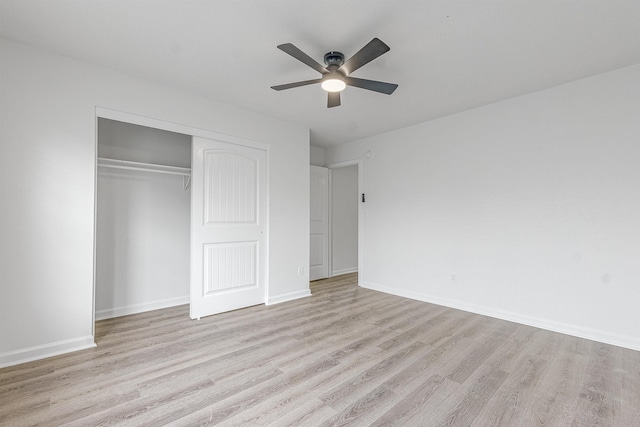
142 219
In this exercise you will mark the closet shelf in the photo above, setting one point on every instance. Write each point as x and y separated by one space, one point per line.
139 166
147 167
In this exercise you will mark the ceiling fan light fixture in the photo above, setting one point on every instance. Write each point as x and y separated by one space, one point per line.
333 84
336 76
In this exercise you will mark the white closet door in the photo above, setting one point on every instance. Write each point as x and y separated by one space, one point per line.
228 227
319 212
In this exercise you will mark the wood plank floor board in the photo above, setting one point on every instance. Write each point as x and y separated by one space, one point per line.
222 368
407 314
310 413
344 356
597 389
407 407
358 355
422 330
438 359
64 413
14 411
442 355
345 393
346 319
319 344
136 370
288 327
165 407
309 390
362 410
460 405
288 400
430 408
351 392
524 373
557 392
470 400
220 411
13 375
357 361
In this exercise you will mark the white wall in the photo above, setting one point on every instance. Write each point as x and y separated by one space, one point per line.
344 220
532 203
47 166
316 155
142 222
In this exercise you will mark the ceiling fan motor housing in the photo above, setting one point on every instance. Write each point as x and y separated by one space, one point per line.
333 58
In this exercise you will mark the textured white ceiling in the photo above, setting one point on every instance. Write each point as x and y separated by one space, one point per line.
446 55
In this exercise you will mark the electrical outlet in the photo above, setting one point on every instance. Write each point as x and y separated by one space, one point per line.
454 278
300 271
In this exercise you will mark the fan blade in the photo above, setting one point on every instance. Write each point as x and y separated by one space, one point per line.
302 57
382 87
333 99
296 84
371 51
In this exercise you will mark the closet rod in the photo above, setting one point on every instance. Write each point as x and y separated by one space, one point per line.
139 166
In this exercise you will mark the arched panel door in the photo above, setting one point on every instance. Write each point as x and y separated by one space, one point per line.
228 227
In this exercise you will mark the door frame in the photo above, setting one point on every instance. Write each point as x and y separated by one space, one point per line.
359 163
106 113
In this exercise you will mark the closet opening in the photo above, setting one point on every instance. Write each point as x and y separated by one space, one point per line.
142 219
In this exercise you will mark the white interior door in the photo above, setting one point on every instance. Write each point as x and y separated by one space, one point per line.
319 207
228 227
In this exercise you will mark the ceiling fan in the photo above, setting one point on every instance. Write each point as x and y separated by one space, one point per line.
336 75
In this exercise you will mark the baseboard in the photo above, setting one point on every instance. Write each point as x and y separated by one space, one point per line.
47 350
288 297
344 271
563 328
141 308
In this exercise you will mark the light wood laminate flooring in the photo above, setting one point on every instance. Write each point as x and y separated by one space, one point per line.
345 356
